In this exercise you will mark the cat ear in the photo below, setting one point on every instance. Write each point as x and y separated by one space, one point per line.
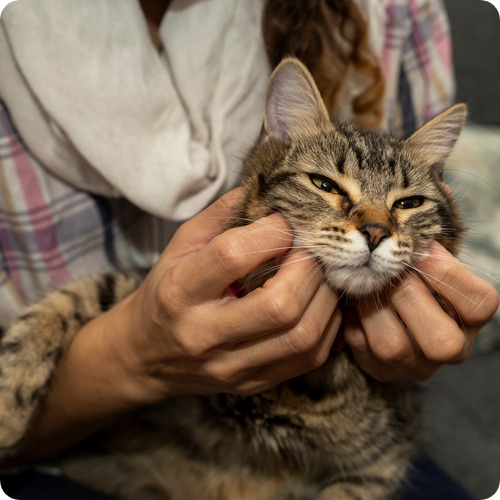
432 143
293 104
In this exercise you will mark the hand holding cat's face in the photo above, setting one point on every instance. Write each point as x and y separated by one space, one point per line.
434 331
185 332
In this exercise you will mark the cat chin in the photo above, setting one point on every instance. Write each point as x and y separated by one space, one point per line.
358 282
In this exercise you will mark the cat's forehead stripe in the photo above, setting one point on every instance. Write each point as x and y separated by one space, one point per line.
340 160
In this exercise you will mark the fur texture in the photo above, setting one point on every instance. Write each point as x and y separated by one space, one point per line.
366 205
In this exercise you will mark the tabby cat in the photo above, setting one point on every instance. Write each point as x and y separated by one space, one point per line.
368 204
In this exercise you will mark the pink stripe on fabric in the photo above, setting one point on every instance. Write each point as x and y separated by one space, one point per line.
443 48
47 243
389 27
421 48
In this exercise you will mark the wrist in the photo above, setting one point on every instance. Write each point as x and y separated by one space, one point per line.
122 339
95 381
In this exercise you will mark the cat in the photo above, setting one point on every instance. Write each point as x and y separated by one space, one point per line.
368 204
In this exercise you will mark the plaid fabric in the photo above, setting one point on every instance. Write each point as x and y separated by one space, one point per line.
417 63
51 233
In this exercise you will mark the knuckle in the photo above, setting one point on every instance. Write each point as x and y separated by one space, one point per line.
303 339
164 297
391 353
318 359
228 256
191 346
405 288
221 373
355 339
228 373
195 344
448 272
391 348
405 292
484 306
170 293
448 344
283 309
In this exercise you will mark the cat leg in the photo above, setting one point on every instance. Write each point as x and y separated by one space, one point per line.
32 346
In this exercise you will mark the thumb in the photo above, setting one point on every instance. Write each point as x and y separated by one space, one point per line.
204 227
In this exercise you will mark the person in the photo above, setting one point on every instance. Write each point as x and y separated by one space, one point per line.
129 122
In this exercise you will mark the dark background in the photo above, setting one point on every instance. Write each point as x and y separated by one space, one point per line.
462 403
475 28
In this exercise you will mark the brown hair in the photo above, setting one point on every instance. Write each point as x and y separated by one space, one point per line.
331 38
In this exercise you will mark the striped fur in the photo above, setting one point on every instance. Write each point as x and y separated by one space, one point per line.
31 347
334 433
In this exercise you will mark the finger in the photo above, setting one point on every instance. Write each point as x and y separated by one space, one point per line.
357 341
240 362
434 331
301 338
385 363
269 376
201 229
474 299
384 332
278 305
231 256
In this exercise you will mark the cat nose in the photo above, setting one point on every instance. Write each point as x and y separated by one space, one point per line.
374 234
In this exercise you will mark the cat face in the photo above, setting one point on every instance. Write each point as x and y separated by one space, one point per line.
366 206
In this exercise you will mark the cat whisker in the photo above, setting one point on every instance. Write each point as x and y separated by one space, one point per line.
309 247
445 303
497 188
472 265
270 270
441 282
258 221
317 268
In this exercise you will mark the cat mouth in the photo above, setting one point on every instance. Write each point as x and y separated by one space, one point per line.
363 278
367 264
357 282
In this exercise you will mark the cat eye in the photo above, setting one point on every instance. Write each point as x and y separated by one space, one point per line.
406 203
325 184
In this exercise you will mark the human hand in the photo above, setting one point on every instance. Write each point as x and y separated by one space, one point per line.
409 333
185 332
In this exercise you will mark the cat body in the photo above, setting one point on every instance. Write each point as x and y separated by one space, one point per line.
366 206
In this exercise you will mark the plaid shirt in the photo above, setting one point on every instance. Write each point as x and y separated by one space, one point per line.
51 233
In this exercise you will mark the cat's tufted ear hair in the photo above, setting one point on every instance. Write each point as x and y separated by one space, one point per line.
433 142
293 104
